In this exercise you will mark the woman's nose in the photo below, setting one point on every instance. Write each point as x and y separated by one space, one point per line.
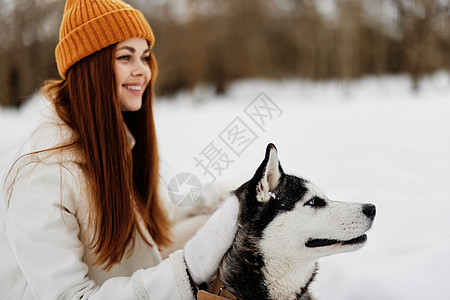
140 68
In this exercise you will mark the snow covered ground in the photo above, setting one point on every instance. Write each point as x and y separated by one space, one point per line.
373 140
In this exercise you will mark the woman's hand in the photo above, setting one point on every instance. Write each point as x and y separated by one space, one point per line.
204 252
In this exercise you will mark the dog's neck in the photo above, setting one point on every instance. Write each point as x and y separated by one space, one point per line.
288 279
288 267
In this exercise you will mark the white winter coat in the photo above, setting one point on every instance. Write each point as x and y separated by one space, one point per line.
44 236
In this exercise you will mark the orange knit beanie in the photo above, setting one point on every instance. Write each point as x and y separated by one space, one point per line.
91 25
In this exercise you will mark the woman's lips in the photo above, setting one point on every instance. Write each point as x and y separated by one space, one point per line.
134 88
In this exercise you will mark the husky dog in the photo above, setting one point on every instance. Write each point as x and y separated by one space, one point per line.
285 224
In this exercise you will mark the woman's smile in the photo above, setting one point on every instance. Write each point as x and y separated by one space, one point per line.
135 88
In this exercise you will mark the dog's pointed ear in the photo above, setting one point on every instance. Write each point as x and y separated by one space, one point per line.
268 174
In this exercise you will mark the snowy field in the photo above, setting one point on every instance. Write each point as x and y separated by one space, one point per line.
374 140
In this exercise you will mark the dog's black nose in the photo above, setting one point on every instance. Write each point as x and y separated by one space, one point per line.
369 210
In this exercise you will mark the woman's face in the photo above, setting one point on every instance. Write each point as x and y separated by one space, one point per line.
132 72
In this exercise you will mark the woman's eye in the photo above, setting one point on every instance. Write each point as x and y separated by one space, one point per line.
146 58
124 57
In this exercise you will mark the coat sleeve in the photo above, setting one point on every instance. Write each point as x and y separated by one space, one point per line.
43 231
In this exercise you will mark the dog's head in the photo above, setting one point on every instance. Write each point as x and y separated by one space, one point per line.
291 213
285 224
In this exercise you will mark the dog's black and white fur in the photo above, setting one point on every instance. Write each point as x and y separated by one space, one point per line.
285 224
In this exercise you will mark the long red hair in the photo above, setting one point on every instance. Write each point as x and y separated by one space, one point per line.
122 183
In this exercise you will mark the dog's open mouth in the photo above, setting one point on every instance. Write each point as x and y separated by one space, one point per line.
313 243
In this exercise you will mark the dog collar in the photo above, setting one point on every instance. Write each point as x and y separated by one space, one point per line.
219 291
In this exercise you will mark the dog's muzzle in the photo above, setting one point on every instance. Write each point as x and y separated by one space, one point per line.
369 210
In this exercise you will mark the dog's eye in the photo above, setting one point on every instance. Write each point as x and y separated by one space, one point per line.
316 202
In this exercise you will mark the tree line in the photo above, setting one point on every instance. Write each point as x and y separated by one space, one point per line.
217 42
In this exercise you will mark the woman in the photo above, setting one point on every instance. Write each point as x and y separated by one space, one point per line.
82 216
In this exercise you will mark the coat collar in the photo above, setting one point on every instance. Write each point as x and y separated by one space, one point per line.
130 136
